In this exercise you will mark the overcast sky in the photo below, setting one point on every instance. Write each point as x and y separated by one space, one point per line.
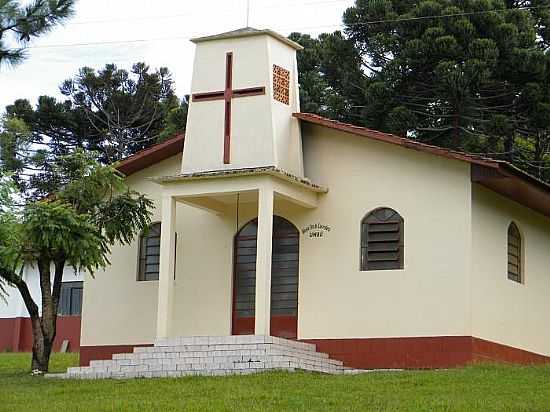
154 31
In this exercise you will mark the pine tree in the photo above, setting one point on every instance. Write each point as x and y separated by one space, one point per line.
18 24
468 75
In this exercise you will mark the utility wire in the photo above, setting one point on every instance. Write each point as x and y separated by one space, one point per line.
472 13
191 14
99 43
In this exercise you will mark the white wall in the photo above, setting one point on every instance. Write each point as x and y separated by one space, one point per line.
430 296
263 132
15 307
120 310
454 282
505 311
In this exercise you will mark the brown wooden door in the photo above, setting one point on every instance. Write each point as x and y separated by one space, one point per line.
284 279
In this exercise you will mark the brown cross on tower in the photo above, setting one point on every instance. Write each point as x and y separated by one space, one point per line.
228 94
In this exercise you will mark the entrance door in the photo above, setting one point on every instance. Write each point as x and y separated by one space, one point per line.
284 279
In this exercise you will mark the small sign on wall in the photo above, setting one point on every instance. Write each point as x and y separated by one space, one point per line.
315 230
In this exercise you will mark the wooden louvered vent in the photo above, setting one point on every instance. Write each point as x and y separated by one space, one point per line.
514 253
382 240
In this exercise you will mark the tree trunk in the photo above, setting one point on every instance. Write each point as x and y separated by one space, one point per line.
41 348
44 328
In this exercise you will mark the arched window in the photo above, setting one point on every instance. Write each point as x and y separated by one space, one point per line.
382 240
149 253
514 253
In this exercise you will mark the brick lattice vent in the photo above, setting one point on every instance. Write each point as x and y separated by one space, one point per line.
210 356
281 84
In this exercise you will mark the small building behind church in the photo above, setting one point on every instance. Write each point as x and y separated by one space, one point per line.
382 251
15 322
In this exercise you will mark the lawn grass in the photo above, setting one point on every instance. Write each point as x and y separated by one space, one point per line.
476 388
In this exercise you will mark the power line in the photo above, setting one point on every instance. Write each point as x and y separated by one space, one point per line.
472 13
191 14
99 43
187 37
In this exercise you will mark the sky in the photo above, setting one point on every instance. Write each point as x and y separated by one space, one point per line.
156 32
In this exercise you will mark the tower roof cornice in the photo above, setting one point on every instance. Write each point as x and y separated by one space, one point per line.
248 32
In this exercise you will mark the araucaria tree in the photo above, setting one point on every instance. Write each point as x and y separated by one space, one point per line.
111 111
468 75
19 23
124 111
87 209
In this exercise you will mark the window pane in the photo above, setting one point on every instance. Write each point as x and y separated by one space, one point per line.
70 299
150 253
153 241
76 301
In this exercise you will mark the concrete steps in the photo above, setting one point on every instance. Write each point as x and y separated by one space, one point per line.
209 356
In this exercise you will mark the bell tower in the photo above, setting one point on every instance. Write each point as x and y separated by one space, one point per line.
243 93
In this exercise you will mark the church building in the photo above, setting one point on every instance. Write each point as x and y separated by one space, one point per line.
382 251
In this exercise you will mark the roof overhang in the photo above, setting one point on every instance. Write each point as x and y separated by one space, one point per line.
248 32
151 155
232 173
496 175
219 190
514 184
392 139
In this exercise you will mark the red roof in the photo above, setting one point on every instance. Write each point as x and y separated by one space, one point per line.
393 139
153 154
497 175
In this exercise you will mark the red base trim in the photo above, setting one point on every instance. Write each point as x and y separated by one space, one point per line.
387 353
16 334
104 352
422 352
483 351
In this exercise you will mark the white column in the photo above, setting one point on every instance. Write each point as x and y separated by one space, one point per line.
263 261
166 270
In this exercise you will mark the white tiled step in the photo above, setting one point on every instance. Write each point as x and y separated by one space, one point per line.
218 350
233 356
125 364
232 340
163 374
194 369
190 363
210 356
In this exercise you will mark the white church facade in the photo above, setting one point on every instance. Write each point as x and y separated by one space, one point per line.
382 251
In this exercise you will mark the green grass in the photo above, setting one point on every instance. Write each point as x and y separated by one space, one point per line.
477 388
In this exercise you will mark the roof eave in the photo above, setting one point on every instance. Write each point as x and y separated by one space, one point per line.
496 175
151 155
236 35
233 173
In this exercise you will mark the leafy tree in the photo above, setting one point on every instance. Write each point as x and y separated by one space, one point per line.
15 137
124 111
468 75
109 113
76 225
443 79
332 78
175 120
18 24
